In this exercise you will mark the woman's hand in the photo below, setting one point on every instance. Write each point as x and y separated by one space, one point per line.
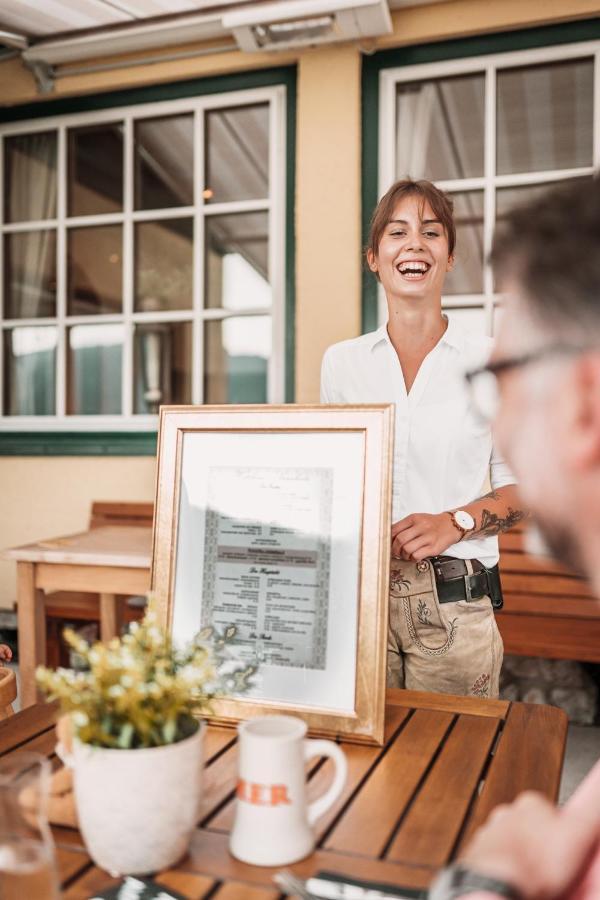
5 653
422 534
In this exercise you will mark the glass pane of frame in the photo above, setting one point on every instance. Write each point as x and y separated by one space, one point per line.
164 265
95 169
30 274
236 270
30 371
440 128
94 369
30 177
94 270
164 162
467 275
545 116
236 359
237 153
162 363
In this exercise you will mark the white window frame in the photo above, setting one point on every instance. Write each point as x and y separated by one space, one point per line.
274 205
488 65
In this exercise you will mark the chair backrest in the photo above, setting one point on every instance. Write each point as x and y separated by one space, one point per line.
118 513
8 692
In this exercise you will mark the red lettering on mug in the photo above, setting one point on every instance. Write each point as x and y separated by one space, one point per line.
262 794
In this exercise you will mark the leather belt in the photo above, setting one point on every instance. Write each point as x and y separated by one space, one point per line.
455 583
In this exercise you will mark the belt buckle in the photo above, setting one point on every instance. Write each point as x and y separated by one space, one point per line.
468 592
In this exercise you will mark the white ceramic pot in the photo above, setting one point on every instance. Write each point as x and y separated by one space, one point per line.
137 808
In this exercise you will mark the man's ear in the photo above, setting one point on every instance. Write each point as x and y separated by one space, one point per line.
584 429
371 260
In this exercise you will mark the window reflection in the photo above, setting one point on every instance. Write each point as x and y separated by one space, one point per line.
162 365
545 116
164 162
30 274
94 270
467 275
30 177
237 153
237 262
236 359
29 371
94 369
163 265
440 128
93 186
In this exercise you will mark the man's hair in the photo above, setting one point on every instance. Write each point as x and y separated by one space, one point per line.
551 246
440 203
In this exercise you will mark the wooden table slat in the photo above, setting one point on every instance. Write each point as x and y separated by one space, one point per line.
529 757
70 862
216 739
496 709
194 887
235 890
424 839
209 852
88 885
372 816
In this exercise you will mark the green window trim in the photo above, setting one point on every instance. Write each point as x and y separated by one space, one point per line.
479 45
143 443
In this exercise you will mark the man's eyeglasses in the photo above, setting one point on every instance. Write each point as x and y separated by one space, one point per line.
483 382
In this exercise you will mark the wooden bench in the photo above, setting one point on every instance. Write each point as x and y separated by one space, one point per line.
63 607
548 610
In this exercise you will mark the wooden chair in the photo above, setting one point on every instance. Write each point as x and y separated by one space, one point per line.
62 607
548 610
8 692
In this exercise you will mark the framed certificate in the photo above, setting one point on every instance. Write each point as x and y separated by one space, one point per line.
276 520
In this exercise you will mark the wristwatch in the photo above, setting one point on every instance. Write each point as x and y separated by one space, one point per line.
460 881
462 520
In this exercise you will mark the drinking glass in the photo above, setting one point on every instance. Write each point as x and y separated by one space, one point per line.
27 865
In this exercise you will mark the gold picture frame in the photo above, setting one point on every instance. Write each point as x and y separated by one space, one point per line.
276 519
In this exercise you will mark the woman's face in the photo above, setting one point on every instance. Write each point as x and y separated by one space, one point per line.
412 259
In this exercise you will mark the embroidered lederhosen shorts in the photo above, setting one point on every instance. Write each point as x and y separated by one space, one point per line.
449 648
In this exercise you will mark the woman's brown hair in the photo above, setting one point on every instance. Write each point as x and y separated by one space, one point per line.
440 203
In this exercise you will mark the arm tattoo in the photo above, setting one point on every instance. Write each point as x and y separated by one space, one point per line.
492 495
492 523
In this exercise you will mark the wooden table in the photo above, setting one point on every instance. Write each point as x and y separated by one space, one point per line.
406 810
107 560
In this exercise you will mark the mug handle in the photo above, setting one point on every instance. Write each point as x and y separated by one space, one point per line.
326 748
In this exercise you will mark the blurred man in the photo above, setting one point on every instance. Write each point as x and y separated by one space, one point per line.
545 375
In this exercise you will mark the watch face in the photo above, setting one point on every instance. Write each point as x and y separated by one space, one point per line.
464 519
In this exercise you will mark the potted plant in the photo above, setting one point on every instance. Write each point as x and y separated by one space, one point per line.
136 718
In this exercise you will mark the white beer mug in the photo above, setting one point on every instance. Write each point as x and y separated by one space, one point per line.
273 822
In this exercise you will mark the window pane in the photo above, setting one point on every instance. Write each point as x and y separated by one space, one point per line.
237 261
95 183
440 128
237 153
30 371
545 116
471 318
467 275
164 162
30 177
162 365
236 358
163 265
94 270
30 274
94 369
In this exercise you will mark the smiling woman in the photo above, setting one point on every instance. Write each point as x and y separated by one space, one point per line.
444 576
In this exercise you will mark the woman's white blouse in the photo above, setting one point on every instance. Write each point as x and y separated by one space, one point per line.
443 454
